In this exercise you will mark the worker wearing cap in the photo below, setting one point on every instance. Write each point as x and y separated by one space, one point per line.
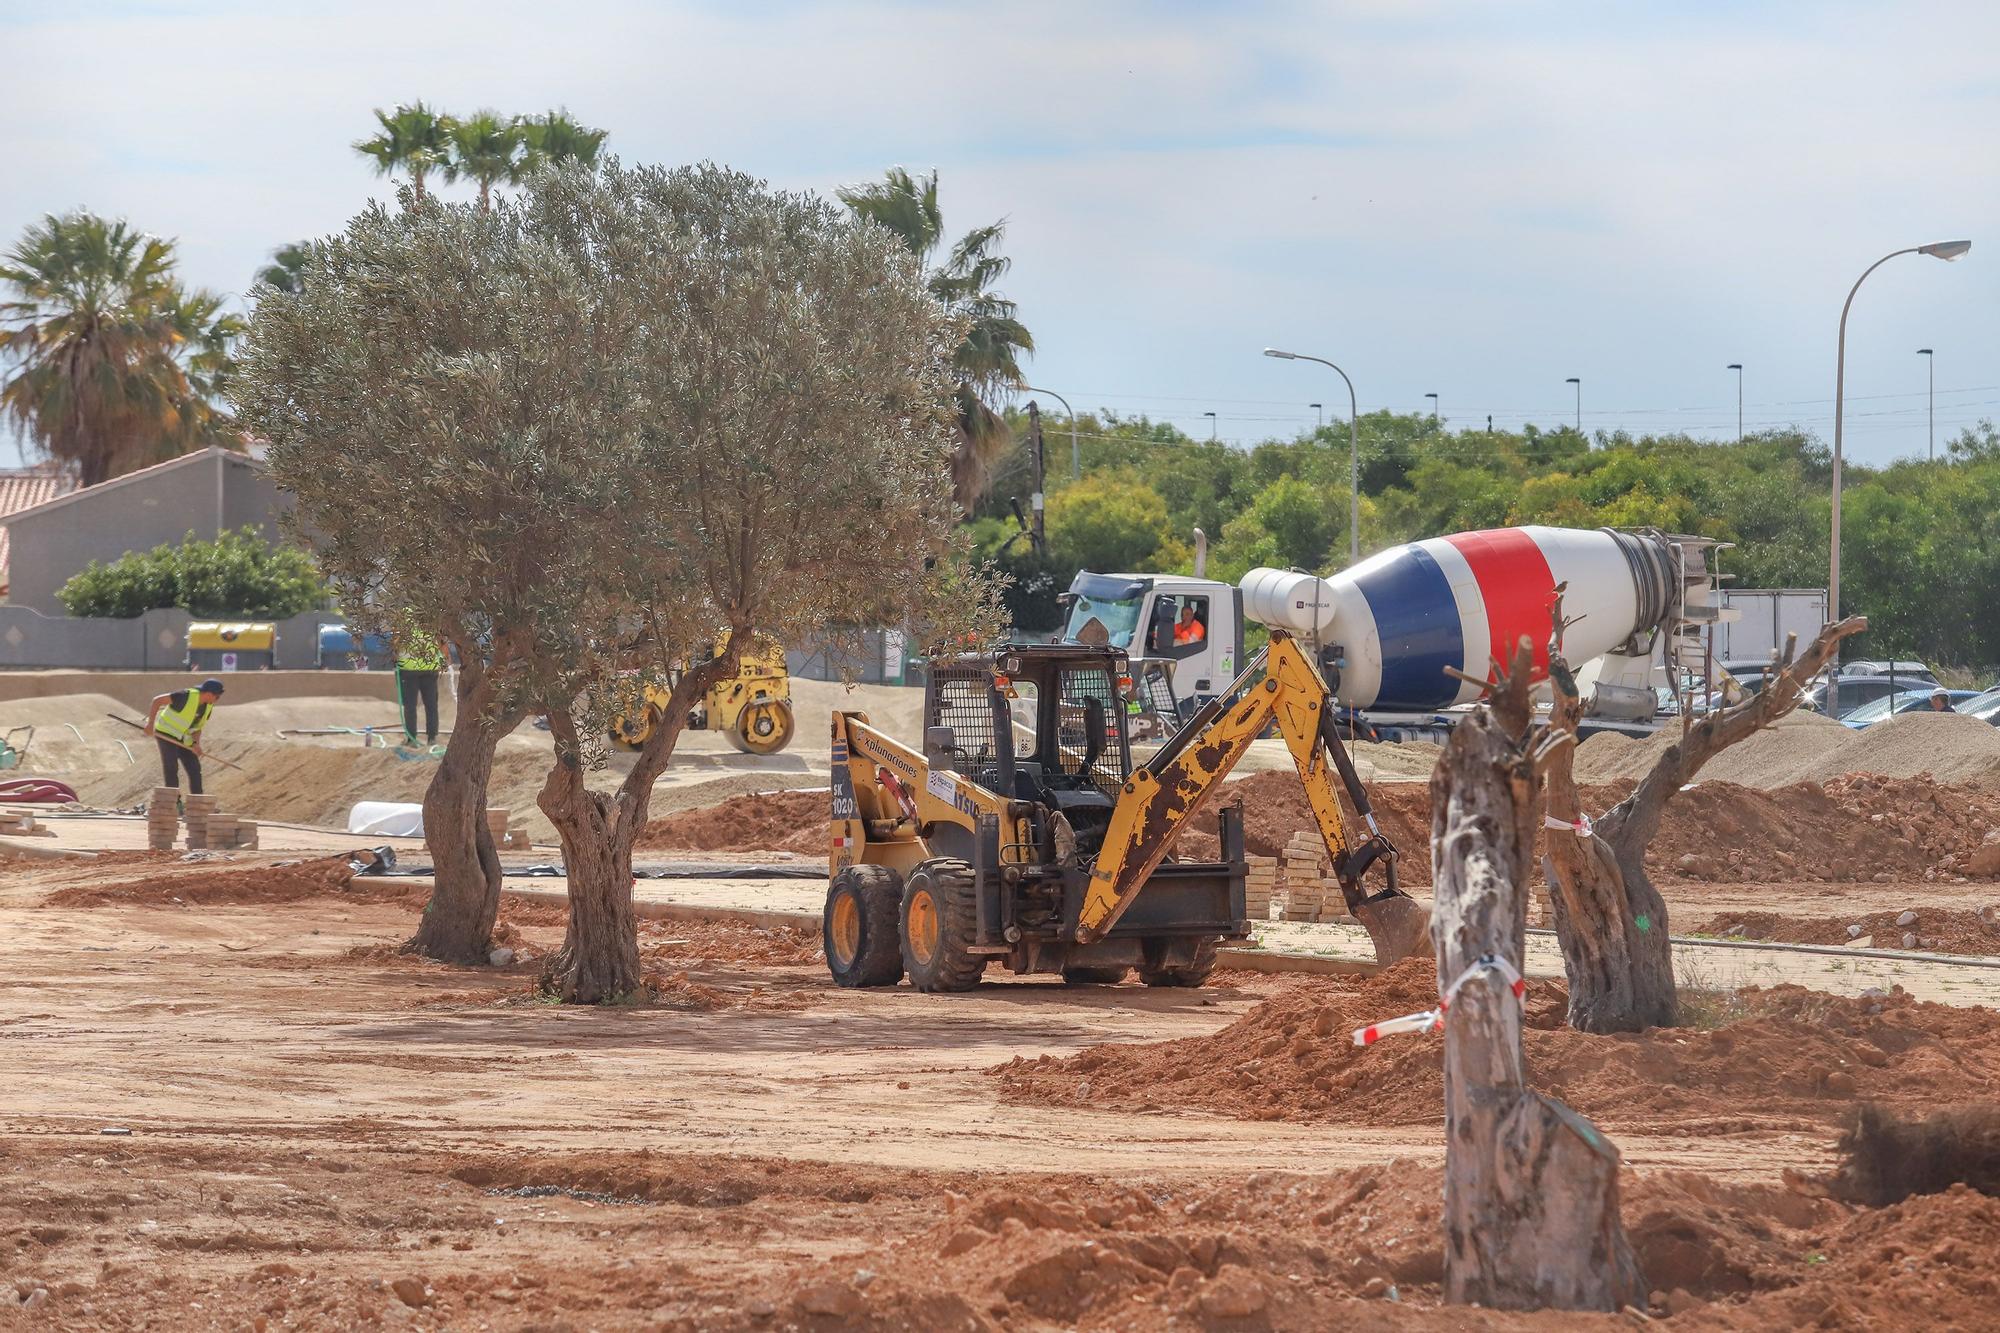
419 658
175 724
1941 702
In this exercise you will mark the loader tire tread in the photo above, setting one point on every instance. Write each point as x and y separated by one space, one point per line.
876 893
1185 975
953 891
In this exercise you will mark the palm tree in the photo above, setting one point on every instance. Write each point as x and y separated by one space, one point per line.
116 364
988 360
413 139
489 150
554 137
287 270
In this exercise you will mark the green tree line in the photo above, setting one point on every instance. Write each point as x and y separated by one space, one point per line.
1921 541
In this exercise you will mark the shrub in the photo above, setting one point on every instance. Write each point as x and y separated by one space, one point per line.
237 574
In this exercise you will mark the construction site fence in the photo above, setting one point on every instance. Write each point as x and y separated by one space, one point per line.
155 641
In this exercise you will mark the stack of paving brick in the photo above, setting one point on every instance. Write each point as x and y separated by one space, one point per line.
21 824
517 839
231 832
163 818
496 824
1260 887
196 811
1305 873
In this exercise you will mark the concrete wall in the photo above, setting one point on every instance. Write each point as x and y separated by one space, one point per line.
137 689
156 641
207 494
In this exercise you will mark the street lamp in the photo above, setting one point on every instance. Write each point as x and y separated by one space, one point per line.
1945 250
1929 357
1211 426
1321 409
1075 456
1434 409
1737 366
1353 448
1579 401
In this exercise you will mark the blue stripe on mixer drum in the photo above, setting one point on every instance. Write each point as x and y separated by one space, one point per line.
1416 621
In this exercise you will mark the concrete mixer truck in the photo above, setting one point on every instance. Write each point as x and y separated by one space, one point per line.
1638 604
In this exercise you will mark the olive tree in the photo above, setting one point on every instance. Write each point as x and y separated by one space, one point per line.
662 411
430 399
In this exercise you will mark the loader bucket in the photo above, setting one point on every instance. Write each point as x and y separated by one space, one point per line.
1397 925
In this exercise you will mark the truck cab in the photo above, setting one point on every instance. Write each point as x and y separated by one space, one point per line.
1190 628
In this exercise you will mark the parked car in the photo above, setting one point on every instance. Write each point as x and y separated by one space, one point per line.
1909 701
1865 682
1985 707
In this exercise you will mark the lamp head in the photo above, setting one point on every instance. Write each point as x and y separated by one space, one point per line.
1281 355
1924 351
1572 380
1945 250
1734 365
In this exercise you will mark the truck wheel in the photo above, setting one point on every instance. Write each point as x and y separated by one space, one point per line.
763 728
1183 974
858 926
1094 976
940 922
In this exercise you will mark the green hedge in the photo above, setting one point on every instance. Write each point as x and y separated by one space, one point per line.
238 575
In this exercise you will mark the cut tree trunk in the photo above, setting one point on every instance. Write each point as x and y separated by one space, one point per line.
1531 1188
1609 919
1612 927
457 925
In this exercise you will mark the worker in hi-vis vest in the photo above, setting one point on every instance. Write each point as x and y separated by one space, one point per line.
419 658
175 724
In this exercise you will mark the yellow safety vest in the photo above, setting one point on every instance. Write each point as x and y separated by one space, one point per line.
184 723
421 653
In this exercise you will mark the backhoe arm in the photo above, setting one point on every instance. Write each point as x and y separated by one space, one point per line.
1163 798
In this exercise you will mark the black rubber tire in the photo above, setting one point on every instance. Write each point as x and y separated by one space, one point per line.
1190 975
876 893
1094 976
744 741
949 885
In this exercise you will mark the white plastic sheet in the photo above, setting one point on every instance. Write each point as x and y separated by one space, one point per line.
391 819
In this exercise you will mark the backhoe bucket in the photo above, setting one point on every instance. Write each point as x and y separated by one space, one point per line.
1397 925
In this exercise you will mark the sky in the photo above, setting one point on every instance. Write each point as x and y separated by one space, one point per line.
1472 199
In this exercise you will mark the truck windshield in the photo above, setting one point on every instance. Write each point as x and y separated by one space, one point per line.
1118 619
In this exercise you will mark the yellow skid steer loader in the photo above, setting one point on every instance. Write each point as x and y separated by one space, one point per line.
1021 833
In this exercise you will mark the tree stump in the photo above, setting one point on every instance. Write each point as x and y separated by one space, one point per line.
1531 1188
1609 919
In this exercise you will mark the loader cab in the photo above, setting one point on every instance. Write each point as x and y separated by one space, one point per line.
1043 723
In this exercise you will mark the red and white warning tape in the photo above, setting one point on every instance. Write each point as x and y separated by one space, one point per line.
1582 826
1434 1018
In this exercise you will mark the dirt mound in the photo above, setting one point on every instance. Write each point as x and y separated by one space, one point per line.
1808 747
768 822
1849 828
1792 1055
692 943
1938 930
207 885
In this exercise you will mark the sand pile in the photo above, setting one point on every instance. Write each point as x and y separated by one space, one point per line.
1808 747
211 884
770 822
1793 1055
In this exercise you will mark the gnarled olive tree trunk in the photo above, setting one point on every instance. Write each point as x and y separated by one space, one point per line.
599 958
1531 1188
1609 919
457 925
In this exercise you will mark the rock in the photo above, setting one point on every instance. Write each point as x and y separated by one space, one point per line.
411 1292
961 1241
1838 1084
1375 1288
1906 919
1854 932
1985 859
500 957
39 1296
1909 941
835 1300
1680 1301
1234 1294
1862 942
1989 919
760 1309
863 1276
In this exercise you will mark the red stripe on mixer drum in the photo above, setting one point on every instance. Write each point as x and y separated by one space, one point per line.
1517 586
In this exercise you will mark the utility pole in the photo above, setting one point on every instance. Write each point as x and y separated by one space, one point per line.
1211 426
1040 535
1321 409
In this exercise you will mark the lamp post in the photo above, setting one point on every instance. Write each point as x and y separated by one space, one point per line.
1353 448
1434 409
1737 366
1928 356
1945 250
1579 401
1211 426
1075 455
1321 409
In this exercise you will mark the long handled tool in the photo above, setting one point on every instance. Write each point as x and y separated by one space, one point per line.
140 726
